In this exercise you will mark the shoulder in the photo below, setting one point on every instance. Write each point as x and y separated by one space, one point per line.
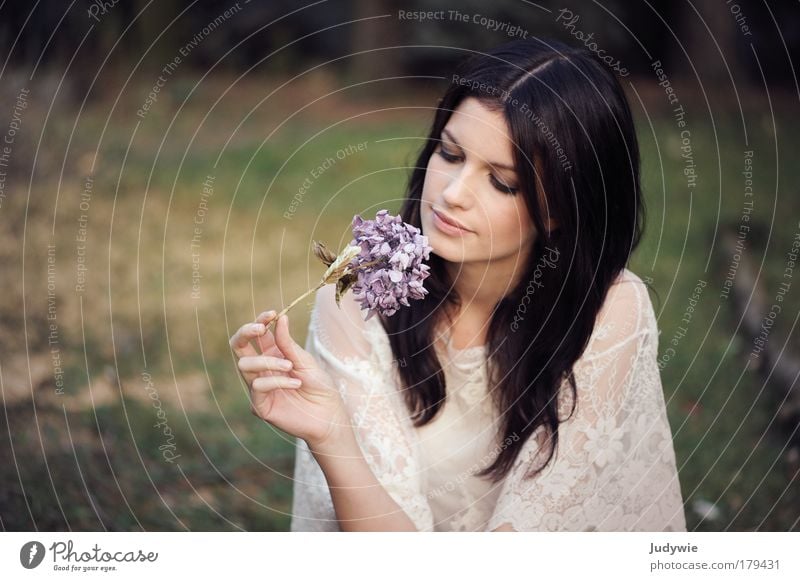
628 288
341 329
628 301
346 314
626 315
622 345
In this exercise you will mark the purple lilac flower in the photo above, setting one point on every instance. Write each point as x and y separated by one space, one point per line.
389 269
383 265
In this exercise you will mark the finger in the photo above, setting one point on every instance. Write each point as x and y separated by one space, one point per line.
265 317
266 341
290 349
264 384
240 342
262 363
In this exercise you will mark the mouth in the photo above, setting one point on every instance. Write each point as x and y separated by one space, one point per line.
447 224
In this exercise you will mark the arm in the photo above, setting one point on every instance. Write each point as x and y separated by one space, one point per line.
505 528
366 476
359 499
345 409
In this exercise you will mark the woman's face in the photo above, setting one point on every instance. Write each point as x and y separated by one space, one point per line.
471 180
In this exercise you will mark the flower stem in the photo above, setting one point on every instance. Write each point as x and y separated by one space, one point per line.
315 289
294 302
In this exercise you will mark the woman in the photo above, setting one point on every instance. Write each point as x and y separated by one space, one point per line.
523 393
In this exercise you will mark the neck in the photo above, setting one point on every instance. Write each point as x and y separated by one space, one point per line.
481 285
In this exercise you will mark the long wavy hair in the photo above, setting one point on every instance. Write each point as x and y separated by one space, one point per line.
568 112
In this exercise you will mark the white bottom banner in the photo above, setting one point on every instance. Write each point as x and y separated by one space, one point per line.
404 556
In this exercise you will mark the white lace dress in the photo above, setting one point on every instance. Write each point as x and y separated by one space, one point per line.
615 465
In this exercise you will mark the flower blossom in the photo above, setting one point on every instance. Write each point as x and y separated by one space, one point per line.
383 265
389 268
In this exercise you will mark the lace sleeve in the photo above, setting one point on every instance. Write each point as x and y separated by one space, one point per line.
614 467
358 357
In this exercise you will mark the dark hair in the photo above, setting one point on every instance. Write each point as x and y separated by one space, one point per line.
577 125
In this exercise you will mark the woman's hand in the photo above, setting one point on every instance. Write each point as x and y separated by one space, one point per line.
287 387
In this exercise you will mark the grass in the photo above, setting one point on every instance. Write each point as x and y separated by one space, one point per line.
90 458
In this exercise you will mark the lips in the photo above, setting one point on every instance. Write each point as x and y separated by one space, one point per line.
448 220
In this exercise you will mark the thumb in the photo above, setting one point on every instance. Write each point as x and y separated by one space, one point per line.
290 349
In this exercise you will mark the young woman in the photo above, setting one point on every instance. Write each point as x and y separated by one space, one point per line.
523 393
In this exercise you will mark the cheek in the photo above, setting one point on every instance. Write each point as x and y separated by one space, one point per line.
435 180
510 226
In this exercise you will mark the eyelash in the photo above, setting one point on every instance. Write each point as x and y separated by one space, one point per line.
495 182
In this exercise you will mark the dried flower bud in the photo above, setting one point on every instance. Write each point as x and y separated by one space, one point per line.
338 267
321 251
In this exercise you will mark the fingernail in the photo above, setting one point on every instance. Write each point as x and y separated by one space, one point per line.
285 365
259 328
295 382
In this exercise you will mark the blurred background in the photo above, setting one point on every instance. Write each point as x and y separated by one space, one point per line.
165 166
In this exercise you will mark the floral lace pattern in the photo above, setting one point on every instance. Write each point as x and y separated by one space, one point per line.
614 467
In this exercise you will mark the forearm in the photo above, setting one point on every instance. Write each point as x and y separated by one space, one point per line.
359 499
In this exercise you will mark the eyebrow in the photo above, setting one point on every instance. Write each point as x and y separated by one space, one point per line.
498 165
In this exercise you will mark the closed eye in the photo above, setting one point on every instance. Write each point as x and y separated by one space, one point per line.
450 158
502 187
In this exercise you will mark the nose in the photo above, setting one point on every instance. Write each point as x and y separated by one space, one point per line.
458 192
